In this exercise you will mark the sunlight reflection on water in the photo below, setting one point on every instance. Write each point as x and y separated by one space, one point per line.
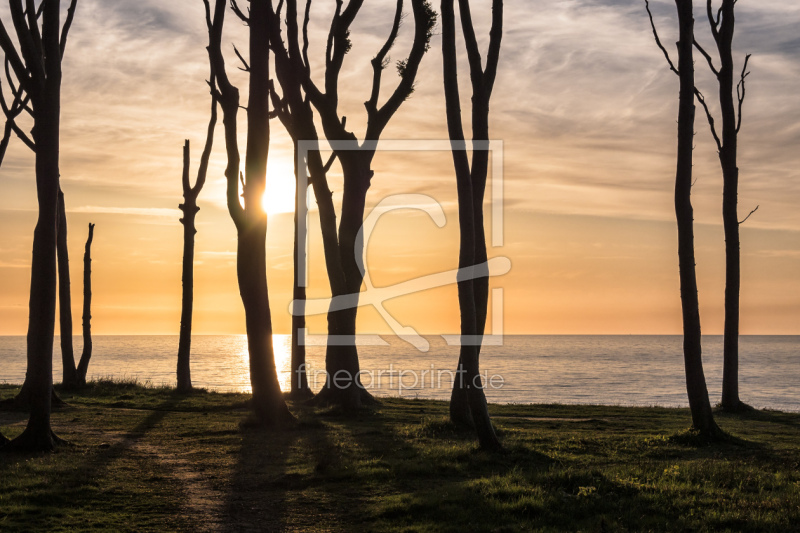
616 370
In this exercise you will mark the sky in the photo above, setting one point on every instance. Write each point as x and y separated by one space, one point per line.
584 105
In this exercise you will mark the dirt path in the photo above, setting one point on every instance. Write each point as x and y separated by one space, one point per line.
204 505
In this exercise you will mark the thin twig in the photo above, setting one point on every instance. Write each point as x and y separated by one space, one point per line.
748 216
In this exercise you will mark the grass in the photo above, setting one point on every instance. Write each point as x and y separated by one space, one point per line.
145 458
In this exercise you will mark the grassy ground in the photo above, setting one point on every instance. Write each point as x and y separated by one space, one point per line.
148 459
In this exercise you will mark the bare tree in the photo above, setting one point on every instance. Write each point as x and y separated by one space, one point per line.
722 26
250 219
297 116
86 354
343 385
699 404
34 75
190 209
468 401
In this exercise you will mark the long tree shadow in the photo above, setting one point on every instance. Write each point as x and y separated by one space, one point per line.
128 482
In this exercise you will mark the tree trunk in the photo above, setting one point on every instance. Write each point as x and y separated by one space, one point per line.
343 385
70 374
299 377
42 309
702 416
190 209
730 217
86 355
468 401
268 402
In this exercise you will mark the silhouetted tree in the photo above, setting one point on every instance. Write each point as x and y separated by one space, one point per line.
250 219
37 70
296 114
69 372
86 354
343 385
722 27
699 404
468 401
190 209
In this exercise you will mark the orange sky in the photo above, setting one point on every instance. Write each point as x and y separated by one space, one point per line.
585 108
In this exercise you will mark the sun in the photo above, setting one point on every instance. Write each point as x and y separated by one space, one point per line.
279 193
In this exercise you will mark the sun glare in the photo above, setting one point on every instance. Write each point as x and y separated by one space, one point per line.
279 193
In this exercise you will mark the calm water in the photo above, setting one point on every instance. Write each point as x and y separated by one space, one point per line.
616 370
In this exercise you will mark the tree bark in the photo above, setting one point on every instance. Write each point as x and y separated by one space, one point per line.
190 209
69 374
730 217
343 385
250 220
86 355
40 77
702 416
468 401
299 377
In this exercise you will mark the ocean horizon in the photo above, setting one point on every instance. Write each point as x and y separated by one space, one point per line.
629 370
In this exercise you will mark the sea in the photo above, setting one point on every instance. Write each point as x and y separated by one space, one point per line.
630 370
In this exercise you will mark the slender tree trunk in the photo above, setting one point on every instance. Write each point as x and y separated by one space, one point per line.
86 355
190 209
299 377
730 217
70 374
268 402
468 401
702 416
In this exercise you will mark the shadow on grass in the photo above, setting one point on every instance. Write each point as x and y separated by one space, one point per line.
284 479
53 488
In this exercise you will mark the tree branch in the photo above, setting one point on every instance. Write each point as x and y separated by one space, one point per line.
33 61
379 61
12 56
741 93
471 42
712 22
702 101
238 12
185 175
4 141
246 66
708 58
658 41
329 164
228 97
33 26
748 216
306 18
202 170
495 38
67 25
424 22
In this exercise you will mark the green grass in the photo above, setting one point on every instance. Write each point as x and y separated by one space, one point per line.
148 459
